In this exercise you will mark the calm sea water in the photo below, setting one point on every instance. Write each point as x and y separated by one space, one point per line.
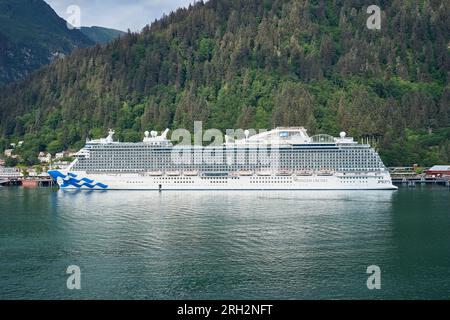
225 245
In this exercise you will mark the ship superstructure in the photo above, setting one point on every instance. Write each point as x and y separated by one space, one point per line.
280 159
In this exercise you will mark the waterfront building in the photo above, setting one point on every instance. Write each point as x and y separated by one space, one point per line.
439 171
44 157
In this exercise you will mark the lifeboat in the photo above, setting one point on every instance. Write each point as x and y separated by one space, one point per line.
264 173
155 173
190 173
246 173
284 173
325 173
173 173
304 173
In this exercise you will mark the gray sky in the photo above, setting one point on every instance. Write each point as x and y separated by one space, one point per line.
118 14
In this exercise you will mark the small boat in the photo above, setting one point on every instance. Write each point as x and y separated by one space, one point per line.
173 173
264 173
246 173
155 173
304 173
284 173
190 173
325 173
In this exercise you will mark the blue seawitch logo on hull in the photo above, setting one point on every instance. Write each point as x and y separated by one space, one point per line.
70 180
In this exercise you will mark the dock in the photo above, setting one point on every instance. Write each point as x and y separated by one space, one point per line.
28 183
411 177
413 181
13 177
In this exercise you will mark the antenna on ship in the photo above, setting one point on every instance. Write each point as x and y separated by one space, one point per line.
247 134
109 138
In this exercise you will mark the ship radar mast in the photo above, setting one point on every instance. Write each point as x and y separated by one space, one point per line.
109 138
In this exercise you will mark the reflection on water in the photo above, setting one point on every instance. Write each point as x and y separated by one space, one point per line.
211 245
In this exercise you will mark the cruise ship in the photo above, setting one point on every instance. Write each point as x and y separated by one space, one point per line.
280 159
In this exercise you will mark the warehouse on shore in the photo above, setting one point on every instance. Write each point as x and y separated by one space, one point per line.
439 171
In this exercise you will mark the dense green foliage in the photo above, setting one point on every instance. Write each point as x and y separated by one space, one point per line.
32 35
254 64
101 35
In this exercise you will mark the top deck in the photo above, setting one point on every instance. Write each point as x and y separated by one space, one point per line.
276 137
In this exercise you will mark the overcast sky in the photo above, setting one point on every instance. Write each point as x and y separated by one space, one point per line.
118 14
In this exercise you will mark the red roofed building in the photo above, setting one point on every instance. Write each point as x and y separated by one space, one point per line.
439 171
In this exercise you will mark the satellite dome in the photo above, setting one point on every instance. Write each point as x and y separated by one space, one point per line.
343 134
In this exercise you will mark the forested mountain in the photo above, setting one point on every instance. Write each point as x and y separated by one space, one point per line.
32 35
101 35
254 64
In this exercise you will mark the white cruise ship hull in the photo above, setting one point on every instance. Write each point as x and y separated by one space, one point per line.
83 181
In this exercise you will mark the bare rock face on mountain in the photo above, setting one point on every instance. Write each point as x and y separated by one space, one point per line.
32 35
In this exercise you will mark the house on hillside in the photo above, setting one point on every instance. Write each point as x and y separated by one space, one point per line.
44 157
9 153
60 155
60 165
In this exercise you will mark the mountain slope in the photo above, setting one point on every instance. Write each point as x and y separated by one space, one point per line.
258 64
101 35
32 35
